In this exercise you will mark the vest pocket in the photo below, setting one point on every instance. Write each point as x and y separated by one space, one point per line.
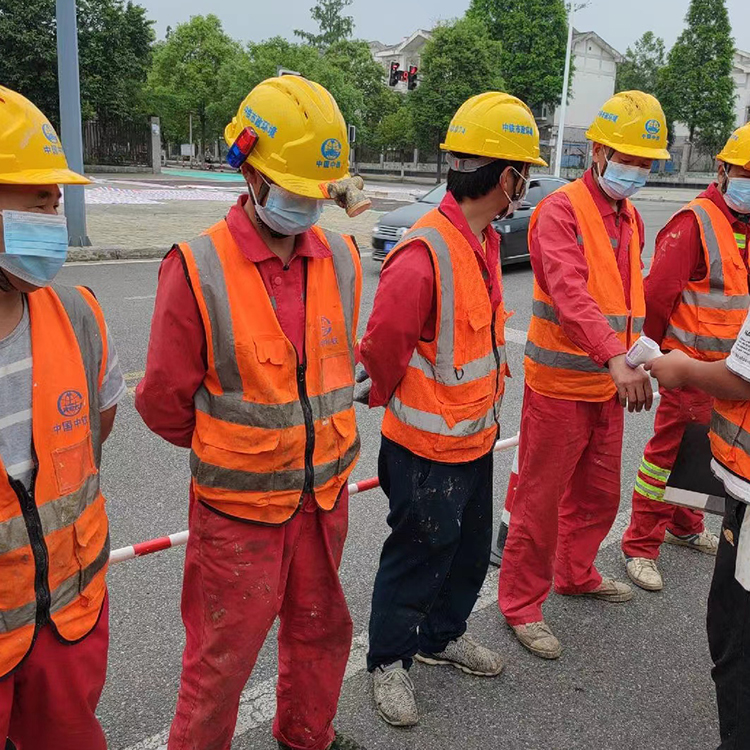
90 532
73 465
345 428
336 371
473 334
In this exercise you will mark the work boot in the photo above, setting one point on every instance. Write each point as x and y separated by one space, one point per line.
496 555
340 742
467 655
705 542
539 639
643 572
610 590
394 695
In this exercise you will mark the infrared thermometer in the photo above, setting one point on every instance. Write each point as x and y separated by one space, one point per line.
644 350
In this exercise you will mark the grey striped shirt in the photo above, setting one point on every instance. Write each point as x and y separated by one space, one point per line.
15 398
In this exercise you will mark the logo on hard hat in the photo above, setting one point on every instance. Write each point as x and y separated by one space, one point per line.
49 133
653 127
331 149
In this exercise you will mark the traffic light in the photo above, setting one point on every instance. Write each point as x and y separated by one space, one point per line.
412 84
395 76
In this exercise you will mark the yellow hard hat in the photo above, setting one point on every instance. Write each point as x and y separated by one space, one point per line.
30 151
495 125
632 123
737 148
302 137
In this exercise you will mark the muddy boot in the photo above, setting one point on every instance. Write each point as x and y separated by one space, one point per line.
496 555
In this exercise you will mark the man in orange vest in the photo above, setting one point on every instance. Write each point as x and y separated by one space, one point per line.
59 387
434 348
251 365
585 242
728 381
696 299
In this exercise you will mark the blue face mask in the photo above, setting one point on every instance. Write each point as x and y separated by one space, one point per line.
287 213
621 181
35 246
738 194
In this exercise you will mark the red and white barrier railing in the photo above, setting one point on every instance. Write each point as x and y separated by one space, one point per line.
179 539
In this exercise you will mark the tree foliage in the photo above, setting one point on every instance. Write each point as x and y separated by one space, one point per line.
696 86
396 129
534 35
642 64
185 76
459 61
333 25
114 45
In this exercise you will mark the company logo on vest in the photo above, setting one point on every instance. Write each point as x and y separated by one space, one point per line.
70 403
326 329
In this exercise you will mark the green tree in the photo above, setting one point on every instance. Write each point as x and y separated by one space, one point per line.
333 25
114 44
185 76
459 61
696 86
642 64
534 36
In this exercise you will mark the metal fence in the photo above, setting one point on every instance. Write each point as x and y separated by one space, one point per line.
117 143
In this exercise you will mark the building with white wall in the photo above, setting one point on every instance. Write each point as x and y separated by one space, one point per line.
406 53
741 76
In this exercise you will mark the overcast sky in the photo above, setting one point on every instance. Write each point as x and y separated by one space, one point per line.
619 22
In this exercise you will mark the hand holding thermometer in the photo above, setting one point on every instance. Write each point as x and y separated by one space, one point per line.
644 350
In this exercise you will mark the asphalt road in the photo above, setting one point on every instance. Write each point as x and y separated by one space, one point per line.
632 676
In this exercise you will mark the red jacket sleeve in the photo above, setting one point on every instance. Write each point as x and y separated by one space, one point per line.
176 359
677 259
561 270
403 305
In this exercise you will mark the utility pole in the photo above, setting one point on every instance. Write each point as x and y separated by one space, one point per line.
572 8
70 119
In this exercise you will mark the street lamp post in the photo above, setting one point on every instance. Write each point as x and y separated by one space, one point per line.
572 8
70 118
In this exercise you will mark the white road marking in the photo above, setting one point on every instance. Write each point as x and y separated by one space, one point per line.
515 336
145 296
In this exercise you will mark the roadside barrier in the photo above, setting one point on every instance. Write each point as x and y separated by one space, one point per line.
179 539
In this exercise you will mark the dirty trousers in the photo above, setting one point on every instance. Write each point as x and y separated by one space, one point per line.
435 560
651 517
238 578
566 501
48 703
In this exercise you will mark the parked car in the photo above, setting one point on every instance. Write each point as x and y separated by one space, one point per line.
514 248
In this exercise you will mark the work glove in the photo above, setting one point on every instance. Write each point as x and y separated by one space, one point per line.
362 387
348 194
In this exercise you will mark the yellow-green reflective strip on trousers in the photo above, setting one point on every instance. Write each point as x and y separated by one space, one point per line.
653 493
655 472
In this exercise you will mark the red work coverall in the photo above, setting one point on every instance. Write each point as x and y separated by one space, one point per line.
570 451
679 258
240 576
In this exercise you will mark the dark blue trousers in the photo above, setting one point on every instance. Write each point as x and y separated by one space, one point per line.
435 559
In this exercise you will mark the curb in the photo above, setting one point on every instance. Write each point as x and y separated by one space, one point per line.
92 254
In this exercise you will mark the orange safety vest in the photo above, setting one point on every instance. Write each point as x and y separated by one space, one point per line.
711 311
730 436
446 407
269 428
554 365
54 540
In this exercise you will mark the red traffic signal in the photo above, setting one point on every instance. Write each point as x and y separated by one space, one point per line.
395 76
412 78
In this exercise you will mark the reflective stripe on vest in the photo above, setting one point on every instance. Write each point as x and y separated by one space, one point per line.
732 434
618 323
436 424
691 330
